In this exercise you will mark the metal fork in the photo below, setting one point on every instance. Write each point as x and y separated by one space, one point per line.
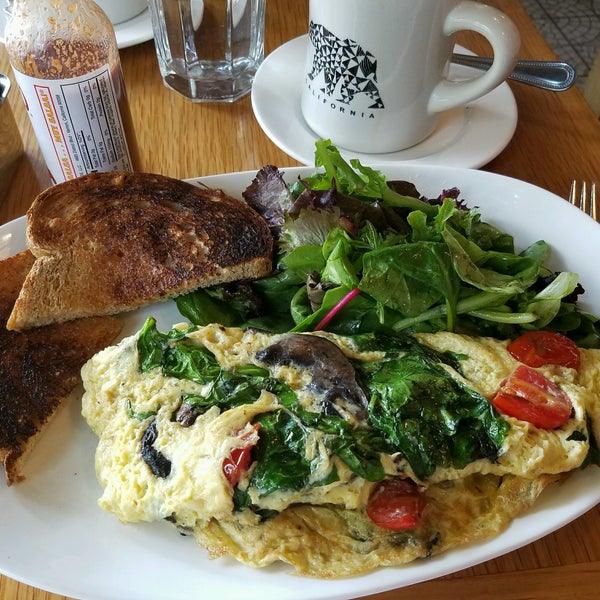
585 200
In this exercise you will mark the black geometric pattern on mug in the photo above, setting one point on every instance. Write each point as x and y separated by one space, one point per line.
345 61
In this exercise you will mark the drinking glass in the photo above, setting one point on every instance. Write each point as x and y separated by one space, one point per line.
208 50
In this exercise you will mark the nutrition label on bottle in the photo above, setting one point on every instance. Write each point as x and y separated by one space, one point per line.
77 123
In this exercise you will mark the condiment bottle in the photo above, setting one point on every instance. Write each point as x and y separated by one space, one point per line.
65 59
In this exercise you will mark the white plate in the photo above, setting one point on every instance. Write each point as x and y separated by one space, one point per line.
465 137
129 33
55 537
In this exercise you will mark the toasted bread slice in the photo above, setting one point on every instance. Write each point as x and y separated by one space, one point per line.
111 242
38 369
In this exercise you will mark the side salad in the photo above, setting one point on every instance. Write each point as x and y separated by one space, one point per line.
356 253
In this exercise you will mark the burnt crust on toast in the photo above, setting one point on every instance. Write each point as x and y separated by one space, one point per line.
109 242
38 369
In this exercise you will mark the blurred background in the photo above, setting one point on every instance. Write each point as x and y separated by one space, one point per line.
571 28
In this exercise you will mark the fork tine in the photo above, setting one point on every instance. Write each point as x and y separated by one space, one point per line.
573 193
584 200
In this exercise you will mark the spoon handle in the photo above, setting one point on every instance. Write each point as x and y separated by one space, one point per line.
548 75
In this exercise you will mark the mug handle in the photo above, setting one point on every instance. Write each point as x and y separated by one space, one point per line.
502 34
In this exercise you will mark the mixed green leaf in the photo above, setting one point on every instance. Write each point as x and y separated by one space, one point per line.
419 264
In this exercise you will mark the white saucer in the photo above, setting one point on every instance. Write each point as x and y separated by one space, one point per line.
129 33
135 31
465 137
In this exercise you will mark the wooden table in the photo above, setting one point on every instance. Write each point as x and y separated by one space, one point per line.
557 140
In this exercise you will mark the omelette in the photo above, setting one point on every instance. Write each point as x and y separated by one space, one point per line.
294 447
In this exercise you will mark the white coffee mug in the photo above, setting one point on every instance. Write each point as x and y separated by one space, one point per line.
119 11
376 70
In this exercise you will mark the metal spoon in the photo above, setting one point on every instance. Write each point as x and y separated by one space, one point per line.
548 75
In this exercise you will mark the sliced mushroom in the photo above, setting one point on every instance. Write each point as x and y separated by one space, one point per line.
186 414
159 464
333 376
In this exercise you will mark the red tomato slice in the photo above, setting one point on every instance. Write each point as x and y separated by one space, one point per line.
238 462
538 348
396 504
529 396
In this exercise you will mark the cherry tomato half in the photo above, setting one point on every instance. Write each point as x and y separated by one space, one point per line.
530 396
538 348
396 504
238 462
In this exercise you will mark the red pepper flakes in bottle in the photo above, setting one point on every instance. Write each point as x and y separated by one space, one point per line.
65 59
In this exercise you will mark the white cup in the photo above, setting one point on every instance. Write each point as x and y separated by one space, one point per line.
375 78
119 11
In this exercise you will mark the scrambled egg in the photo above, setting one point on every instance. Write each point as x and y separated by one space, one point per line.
120 401
527 450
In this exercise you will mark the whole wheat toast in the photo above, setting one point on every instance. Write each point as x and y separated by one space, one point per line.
110 242
39 368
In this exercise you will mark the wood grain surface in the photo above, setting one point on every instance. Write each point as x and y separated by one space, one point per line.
557 140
